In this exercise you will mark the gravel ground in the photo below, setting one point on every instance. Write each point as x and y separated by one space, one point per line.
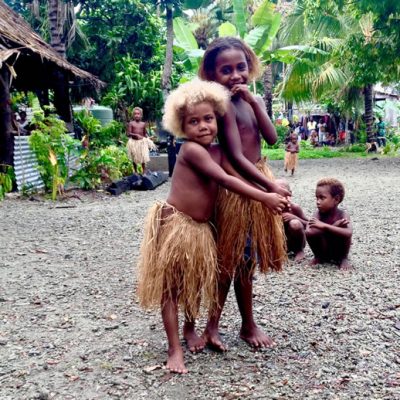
70 327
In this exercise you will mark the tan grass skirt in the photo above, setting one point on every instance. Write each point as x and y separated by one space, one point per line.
239 218
291 160
138 150
179 254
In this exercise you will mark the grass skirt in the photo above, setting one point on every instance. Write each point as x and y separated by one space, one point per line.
291 160
138 150
179 254
239 218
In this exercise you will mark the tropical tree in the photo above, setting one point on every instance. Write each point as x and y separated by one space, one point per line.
363 51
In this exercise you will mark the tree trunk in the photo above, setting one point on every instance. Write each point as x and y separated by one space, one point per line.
6 135
368 111
267 81
57 20
167 72
56 26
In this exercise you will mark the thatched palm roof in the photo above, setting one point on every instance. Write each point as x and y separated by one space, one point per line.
17 37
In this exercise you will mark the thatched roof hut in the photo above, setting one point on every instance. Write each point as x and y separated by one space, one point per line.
30 56
28 63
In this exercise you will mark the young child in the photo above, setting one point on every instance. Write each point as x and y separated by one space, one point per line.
329 231
178 262
292 153
247 232
138 143
295 223
314 138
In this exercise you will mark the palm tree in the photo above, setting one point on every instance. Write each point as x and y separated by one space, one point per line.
169 6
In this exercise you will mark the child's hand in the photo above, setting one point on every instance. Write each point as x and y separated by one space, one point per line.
274 187
342 223
316 223
286 216
243 91
275 202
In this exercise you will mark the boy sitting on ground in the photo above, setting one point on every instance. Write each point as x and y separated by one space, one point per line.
329 231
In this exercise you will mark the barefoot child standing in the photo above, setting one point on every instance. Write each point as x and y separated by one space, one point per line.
329 231
247 232
138 143
178 263
292 153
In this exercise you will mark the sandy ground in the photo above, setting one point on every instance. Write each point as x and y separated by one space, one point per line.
70 327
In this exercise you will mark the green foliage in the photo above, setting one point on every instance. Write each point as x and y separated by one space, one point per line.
391 149
113 30
6 180
313 153
361 135
102 166
354 148
88 123
281 132
100 136
49 137
114 133
134 87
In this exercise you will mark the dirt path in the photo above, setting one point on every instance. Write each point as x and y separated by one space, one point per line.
69 328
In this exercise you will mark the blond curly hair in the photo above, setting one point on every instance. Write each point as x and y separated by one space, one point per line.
183 100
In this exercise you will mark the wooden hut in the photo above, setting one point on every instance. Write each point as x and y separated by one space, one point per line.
28 63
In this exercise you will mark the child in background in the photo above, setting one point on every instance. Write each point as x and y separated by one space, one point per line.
138 143
295 223
292 154
178 263
248 233
329 231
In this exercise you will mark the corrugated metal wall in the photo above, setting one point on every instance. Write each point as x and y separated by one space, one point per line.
25 165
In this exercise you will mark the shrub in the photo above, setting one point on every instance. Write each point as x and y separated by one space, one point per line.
102 166
53 149
6 180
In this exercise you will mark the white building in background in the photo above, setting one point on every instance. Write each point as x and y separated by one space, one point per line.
387 101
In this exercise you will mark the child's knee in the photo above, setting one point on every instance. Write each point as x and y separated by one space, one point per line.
312 233
295 225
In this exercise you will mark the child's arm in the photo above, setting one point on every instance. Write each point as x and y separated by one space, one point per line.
265 125
128 131
296 213
341 227
245 166
200 160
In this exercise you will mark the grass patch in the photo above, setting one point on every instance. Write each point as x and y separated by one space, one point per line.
318 152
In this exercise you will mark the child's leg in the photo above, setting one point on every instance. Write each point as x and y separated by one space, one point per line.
293 171
169 312
211 334
249 332
296 238
318 243
135 168
193 340
143 168
340 248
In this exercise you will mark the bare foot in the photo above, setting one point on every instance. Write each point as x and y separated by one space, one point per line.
315 261
213 340
194 342
175 361
299 256
255 337
345 265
